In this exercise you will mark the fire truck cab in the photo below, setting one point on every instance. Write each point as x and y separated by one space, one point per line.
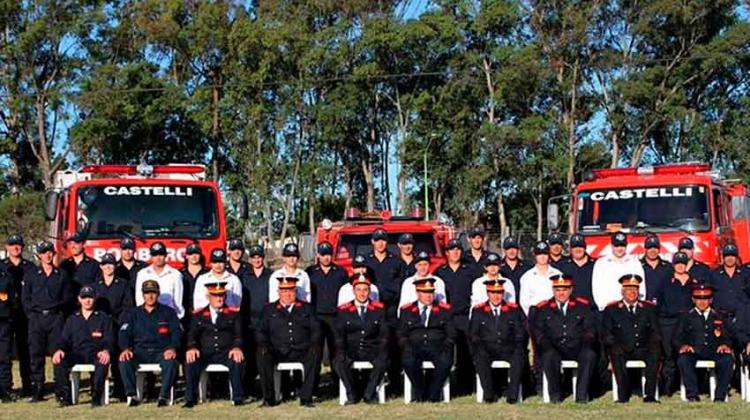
174 204
351 236
671 201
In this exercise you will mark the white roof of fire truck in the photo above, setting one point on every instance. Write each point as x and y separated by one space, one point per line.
173 171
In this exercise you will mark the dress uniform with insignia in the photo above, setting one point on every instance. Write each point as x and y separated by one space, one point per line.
129 269
563 329
703 334
497 332
215 337
630 331
289 332
657 272
46 294
426 333
149 333
361 336
86 336
8 298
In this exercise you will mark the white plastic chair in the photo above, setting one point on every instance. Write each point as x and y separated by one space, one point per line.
565 364
632 364
497 364
426 366
361 366
75 382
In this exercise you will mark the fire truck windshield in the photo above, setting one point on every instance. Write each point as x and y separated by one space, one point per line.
148 211
653 209
351 245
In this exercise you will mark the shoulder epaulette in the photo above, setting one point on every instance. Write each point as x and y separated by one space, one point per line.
407 306
199 310
375 304
480 305
231 309
444 305
614 303
510 305
582 300
346 306
542 304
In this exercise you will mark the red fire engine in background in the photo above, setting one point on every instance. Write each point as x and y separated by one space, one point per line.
351 236
174 204
671 201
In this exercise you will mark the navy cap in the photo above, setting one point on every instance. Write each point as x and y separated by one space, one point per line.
256 251
15 239
652 241
453 244
421 256
510 242
680 258
541 248
379 235
325 248
730 249
236 244
218 255
78 237
577 241
358 261
619 239
45 247
290 250
86 292
158 248
108 259
193 249
492 259
127 243
555 238
476 231
406 238
686 243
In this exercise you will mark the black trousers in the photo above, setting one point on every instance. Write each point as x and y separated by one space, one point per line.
267 360
193 375
168 370
251 363
44 333
422 389
551 359
669 374
20 337
342 365
6 354
464 366
619 360
62 372
327 338
686 363
483 358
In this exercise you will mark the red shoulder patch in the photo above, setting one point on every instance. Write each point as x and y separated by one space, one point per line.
582 300
615 303
542 304
642 303
200 310
231 310
345 307
508 306
408 306
298 304
480 305
444 305
375 305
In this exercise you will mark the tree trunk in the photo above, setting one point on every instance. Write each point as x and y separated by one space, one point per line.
367 171
215 127
615 148
269 222
538 201
504 231
635 161
290 200
311 216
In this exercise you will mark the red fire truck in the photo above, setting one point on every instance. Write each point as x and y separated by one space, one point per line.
351 236
174 204
671 201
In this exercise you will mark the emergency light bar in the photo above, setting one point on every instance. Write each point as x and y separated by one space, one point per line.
672 169
144 169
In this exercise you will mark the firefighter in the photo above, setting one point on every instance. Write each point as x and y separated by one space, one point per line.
86 338
8 300
129 266
512 266
46 294
359 266
361 336
697 269
580 267
556 248
491 272
254 298
169 279
288 332
406 252
389 272
608 269
218 274
657 272
81 269
194 268
475 255
535 285
703 334
497 332
563 329
408 287
214 337
426 333
236 265
730 282
630 331
290 254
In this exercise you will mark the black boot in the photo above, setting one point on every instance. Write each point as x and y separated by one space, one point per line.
37 393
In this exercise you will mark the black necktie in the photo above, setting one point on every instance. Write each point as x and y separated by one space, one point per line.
632 309
423 315
362 313
496 316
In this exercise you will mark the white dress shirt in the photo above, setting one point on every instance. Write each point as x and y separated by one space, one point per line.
233 286
170 287
535 287
303 284
346 294
605 279
479 291
214 314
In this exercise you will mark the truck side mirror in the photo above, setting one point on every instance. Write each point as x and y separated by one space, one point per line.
553 216
50 205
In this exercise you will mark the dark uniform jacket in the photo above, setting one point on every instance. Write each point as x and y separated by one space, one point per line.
285 332
700 333
156 331
700 271
115 299
219 337
130 274
361 338
19 273
581 275
8 296
325 287
254 295
83 274
87 336
514 274
624 332
656 278
47 293
457 286
505 334
566 332
731 292
389 274
439 334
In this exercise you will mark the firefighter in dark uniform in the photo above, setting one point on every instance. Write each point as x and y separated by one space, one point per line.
497 332
556 243
288 332
458 280
8 299
512 266
151 334
730 282
675 299
129 266
19 269
114 298
215 337
630 331
657 272
564 330
82 269
703 334
426 333
194 267
235 264
475 256
580 267
86 338
46 294
697 269
326 279
406 252
361 336
254 298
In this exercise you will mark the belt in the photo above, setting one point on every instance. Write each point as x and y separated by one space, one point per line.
46 312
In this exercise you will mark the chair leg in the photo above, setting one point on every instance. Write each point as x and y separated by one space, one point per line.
712 383
480 390
342 393
203 387
277 385
615 395
575 382
545 388
75 387
139 383
407 389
